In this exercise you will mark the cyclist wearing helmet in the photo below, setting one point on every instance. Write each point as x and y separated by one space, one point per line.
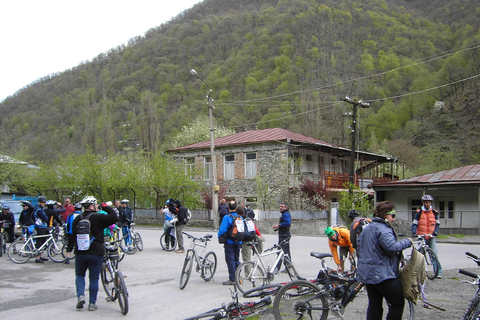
354 217
7 217
426 222
53 214
92 258
40 219
126 219
26 218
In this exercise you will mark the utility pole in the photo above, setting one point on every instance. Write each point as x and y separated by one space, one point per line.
355 104
215 188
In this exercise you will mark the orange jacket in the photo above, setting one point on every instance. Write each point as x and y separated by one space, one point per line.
343 241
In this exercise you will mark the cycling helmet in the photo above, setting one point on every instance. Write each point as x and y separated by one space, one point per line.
78 206
427 197
125 201
42 199
352 214
51 202
6 207
88 201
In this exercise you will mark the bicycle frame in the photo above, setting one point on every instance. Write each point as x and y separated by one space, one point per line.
259 261
197 256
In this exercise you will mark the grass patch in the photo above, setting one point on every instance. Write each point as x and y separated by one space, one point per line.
446 236
457 235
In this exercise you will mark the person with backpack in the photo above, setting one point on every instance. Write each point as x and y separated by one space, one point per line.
182 213
232 227
253 235
283 228
40 219
69 227
88 241
378 263
356 226
426 222
26 218
54 214
339 238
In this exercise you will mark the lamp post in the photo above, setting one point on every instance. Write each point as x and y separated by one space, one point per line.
213 215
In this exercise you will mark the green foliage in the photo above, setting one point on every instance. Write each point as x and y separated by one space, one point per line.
352 197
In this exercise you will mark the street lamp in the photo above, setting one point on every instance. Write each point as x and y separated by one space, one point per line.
212 152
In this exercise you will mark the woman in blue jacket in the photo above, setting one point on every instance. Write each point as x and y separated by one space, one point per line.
378 263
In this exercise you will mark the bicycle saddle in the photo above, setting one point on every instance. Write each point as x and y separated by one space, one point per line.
320 255
207 236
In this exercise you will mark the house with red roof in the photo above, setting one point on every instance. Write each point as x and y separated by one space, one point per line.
264 167
456 194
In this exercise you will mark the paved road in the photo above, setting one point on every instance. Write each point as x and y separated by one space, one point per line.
35 291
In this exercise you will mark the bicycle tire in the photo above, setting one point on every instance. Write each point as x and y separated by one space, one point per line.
207 316
64 251
54 252
263 291
408 310
186 270
431 262
129 248
20 251
209 266
108 282
168 247
473 311
300 297
2 245
137 238
121 292
249 275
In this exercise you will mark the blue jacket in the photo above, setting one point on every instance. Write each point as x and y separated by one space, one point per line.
285 222
38 213
226 223
379 252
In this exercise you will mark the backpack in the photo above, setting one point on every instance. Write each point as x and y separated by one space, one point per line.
360 225
236 231
412 276
84 239
250 233
69 222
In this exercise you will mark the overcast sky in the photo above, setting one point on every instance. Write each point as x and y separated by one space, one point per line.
40 37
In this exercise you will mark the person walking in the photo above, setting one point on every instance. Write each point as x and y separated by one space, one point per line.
378 263
92 258
427 223
339 239
230 247
40 219
180 224
283 228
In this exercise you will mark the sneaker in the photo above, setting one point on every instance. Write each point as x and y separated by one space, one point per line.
67 261
80 302
180 251
44 259
228 283
92 307
39 261
439 276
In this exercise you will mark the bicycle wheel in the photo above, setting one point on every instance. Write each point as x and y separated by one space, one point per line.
432 263
408 310
168 246
2 245
249 275
187 269
209 266
473 311
108 283
121 292
64 251
138 241
300 299
54 251
129 248
263 291
20 251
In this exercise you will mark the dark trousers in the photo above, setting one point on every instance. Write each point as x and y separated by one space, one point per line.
232 258
285 247
94 264
391 290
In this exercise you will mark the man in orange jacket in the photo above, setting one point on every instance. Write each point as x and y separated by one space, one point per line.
340 237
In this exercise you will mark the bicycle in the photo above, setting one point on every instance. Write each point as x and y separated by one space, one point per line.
251 274
314 299
206 263
169 242
3 237
238 310
473 311
112 279
21 250
132 241
431 259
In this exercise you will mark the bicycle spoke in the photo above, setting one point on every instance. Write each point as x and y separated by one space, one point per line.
209 266
249 275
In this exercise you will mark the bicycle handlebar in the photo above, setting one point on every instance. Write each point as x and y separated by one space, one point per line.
468 273
205 238
471 255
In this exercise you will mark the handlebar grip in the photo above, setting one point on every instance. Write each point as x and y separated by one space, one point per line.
468 273
471 255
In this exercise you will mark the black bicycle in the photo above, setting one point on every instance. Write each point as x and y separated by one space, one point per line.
473 311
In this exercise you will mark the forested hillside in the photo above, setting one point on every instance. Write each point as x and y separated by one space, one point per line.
272 63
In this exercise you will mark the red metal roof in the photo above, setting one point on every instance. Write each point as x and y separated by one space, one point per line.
254 137
467 174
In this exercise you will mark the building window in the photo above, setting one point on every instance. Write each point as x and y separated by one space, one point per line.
207 168
416 204
229 167
190 168
446 209
250 165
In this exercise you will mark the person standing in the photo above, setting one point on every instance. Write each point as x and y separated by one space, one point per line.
126 218
340 238
230 247
54 214
182 221
378 263
427 223
92 258
249 212
7 218
26 218
69 209
69 228
222 209
283 228
40 219
354 217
